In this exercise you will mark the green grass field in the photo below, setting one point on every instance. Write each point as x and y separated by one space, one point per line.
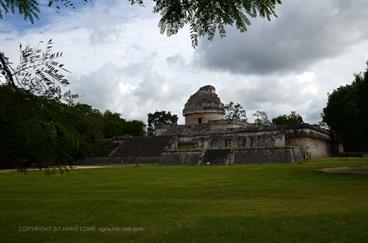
239 203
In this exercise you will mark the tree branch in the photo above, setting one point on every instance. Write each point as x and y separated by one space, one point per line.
9 75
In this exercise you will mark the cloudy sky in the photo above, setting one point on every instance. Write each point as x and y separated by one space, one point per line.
119 60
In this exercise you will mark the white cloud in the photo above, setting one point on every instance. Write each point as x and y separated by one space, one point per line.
303 34
119 61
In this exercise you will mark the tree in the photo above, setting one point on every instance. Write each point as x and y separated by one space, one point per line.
30 9
323 124
293 119
159 118
38 72
261 118
204 17
135 128
32 111
36 130
114 125
235 112
346 113
41 124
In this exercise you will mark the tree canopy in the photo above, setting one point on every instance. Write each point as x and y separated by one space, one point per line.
114 125
204 17
261 118
346 113
160 118
47 132
30 9
293 119
235 112
39 121
39 72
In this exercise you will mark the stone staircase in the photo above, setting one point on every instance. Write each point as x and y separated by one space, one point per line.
216 157
142 147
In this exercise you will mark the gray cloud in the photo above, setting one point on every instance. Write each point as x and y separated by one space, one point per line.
277 95
176 59
303 34
120 61
99 88
134 90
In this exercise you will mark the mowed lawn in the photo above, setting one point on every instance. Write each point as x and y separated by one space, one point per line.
239 203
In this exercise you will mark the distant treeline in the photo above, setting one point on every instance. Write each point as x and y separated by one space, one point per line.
39 131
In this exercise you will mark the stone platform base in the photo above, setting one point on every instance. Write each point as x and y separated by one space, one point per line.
210 157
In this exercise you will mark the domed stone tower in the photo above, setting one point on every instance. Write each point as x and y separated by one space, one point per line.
203 106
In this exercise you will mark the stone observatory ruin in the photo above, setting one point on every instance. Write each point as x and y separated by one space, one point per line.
203 106
207 138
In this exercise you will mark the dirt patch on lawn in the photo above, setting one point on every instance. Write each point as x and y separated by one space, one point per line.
75 167
346 170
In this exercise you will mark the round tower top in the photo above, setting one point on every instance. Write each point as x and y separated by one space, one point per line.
205 100
208 89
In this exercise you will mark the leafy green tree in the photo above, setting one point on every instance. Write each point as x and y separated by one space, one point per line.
30 9
38 72
293 119
42 125
44 132
261 118
346 113
114 125
159 118
235 112
32 111
204 17
89 121
135 128
35 130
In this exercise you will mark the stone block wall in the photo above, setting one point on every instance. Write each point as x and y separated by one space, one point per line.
101 160
205 117
267 155
182 157
236 156
121 160
312 148
235 140
220 156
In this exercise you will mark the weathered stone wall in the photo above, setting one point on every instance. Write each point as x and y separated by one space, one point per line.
233 140
198 157
121 160
267 155
249 143
236 156
227 124
312 147
182 157
101 160
206 117
141 147
218 157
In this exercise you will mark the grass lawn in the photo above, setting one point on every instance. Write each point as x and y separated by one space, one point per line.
239 203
